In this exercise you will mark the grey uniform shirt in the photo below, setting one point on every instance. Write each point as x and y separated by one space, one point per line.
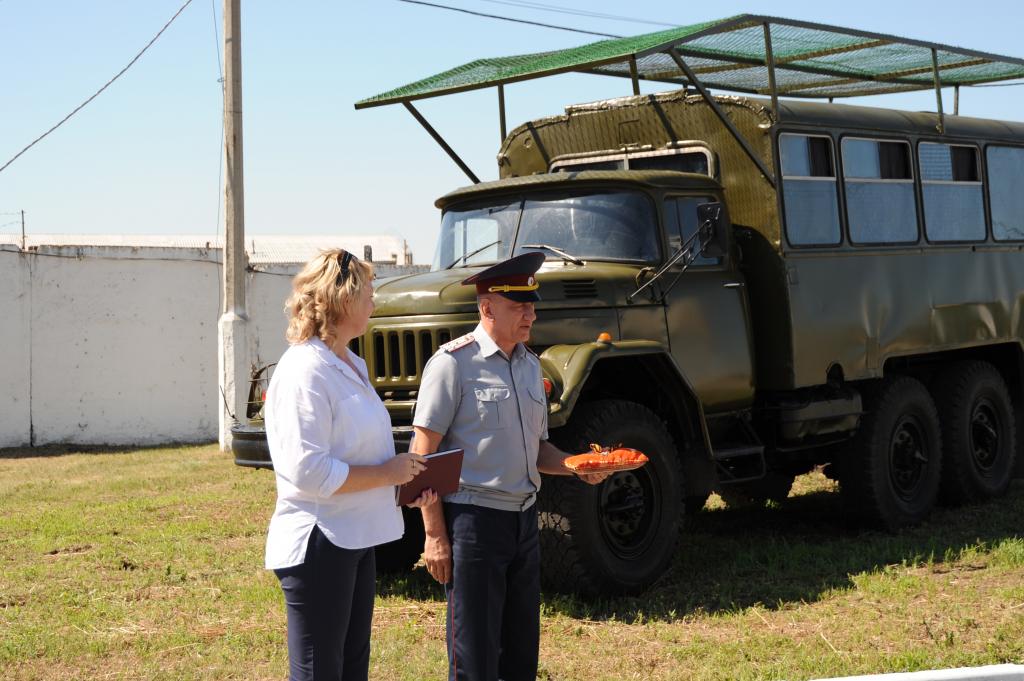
493 407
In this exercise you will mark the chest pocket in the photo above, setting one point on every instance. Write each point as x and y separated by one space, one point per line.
494 406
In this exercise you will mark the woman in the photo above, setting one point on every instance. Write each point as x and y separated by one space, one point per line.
334 460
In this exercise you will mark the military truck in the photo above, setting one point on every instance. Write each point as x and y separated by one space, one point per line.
743 288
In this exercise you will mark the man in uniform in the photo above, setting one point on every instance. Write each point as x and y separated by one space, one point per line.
484 393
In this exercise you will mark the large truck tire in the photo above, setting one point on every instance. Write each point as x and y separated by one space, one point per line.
889 475
619 536
401 555
249 446
773 487
978 432
1018 410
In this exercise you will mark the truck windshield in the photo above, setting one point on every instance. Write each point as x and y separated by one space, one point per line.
617 226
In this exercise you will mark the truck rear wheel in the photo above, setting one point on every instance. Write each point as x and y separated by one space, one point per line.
978 433
890 474
619 536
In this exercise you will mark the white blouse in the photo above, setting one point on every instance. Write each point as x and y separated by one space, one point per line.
322 417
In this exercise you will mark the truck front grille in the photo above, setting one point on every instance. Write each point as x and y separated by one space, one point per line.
356 346
400 355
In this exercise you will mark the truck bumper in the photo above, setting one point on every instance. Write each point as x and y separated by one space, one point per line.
249 444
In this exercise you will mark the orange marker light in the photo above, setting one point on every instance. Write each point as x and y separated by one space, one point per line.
548 386
604 337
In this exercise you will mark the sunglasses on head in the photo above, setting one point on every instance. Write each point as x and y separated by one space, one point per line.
343 262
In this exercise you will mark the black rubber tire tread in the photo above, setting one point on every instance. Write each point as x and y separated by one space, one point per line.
1018 410
573 556
956 390
865 484
772 487
249 447
401 555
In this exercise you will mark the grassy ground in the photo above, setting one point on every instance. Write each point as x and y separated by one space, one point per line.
147 564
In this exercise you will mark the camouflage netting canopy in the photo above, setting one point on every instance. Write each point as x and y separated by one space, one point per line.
808 60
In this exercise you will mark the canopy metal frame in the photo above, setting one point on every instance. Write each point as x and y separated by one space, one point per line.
680 49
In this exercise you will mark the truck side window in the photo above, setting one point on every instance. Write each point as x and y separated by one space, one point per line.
1006 192
951 187
879 182
809 190
681 223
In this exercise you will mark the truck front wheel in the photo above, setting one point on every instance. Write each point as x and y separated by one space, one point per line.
618 536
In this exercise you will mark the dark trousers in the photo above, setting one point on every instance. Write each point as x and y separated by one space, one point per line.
494 596
329 600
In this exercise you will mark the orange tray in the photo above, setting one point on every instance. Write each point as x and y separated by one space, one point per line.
605 468
591 462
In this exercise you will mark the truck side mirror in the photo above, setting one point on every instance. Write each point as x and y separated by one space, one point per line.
713 230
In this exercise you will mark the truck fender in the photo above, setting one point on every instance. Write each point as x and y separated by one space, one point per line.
568 367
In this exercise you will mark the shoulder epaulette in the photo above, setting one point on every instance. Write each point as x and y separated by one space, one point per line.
455 344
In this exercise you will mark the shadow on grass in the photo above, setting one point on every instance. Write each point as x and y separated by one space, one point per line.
417 585
793 553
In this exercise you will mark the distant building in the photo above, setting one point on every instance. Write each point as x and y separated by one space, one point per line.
390 254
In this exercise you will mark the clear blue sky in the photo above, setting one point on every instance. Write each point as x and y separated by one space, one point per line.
144 157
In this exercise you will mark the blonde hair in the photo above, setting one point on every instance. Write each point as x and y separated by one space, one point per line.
317 302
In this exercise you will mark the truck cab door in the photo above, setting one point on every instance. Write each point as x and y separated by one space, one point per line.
706 315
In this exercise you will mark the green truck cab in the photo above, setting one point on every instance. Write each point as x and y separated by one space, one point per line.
807 285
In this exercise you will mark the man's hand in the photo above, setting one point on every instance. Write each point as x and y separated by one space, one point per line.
593 478
427 497
437 549
437 554
551 460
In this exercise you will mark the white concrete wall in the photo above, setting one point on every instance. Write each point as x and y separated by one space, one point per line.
15 353
265 295
118 345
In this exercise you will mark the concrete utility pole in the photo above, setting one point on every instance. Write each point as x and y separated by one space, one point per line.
233 356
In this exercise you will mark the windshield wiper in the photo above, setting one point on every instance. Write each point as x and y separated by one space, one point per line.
568 257
472 253
688 252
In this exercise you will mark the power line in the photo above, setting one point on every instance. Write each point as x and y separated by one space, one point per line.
597 15
96 94
540 6
516 21
217 42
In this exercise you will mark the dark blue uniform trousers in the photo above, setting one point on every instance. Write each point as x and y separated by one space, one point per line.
329 600
494 596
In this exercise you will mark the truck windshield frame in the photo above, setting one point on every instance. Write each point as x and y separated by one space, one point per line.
613 225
